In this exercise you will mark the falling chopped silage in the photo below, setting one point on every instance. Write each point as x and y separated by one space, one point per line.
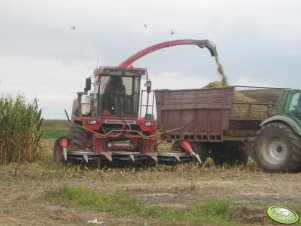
20 130
221 72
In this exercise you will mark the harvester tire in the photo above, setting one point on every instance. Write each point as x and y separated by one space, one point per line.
277 148
58 152
76 134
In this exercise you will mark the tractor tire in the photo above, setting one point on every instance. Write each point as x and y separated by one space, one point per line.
76 134
229 155
277 148
200 149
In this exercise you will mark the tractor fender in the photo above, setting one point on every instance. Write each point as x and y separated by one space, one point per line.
285 120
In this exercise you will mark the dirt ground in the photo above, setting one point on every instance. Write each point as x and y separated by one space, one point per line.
23 188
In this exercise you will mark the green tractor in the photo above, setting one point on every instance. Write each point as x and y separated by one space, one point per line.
277 146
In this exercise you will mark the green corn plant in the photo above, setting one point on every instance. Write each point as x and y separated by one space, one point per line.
20 132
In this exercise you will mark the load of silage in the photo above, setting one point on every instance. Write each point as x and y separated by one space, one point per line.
20 130
244 107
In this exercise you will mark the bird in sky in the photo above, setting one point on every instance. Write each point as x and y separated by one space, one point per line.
172 32
72 28
145 26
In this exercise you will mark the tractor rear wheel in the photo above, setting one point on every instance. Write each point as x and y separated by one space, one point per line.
277 148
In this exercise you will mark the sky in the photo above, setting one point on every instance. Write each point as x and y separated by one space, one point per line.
48 48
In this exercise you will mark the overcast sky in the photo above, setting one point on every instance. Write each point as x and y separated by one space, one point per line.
258 41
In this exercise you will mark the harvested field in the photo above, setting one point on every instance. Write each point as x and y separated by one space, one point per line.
163 195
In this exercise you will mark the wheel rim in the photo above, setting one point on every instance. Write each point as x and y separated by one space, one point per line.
277 150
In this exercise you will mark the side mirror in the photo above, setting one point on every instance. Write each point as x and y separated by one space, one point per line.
148 86
88 84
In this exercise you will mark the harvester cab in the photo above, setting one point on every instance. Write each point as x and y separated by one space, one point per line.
117 91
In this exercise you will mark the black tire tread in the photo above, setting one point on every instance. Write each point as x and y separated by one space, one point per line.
76 134
294 162
57 148
229 153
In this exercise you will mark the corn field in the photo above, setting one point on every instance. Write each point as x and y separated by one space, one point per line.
19 130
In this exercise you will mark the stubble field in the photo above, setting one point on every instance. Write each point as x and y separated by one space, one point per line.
45 193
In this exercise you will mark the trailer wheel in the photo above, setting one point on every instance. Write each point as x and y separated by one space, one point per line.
242 157
229 154
277 148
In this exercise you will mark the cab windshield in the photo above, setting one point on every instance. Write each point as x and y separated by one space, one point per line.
117 95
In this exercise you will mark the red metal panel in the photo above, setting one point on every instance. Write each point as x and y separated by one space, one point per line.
202 124
215 122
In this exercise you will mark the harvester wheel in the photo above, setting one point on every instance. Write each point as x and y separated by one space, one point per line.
58 152
76 134
277 148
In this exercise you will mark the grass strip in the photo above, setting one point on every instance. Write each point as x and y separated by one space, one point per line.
216 212
48 133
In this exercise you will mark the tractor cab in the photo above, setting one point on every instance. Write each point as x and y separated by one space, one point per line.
289 103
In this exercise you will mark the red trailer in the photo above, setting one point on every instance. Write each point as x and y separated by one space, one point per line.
221 121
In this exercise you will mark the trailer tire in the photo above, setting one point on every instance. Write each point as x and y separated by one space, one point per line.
277 148
229 155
